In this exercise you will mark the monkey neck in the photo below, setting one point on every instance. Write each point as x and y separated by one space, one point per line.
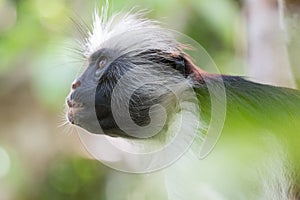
253 104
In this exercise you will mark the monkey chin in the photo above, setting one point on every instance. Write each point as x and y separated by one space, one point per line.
81 117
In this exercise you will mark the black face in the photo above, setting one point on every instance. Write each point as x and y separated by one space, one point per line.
104 88
90 99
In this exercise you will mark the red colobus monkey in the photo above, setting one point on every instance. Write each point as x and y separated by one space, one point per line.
139 80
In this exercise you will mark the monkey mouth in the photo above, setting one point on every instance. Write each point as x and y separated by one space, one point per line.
101 122
70 116
73 106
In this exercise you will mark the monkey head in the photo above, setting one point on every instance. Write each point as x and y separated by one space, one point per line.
135 73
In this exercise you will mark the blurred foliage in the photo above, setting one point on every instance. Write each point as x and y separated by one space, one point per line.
69 178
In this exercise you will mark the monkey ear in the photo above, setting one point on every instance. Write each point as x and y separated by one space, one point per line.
180 65
184 64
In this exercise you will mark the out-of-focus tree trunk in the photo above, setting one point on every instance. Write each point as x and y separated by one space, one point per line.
292 19
267 55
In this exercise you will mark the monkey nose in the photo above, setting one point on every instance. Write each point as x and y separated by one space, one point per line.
75 84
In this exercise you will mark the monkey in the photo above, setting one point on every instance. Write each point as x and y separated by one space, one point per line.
134 65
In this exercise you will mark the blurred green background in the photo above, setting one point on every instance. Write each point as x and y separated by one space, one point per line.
38 158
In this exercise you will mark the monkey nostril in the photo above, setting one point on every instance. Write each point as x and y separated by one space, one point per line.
76 84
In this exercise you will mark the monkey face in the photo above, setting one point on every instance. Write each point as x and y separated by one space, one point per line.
89 100
114 89
136 72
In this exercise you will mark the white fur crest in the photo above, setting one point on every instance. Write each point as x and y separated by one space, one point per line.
129 32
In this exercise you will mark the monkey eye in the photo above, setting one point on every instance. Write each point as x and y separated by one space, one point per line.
102 62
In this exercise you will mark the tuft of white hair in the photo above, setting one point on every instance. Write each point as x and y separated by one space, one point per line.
127 33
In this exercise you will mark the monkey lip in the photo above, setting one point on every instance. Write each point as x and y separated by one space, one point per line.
72 107
70 116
